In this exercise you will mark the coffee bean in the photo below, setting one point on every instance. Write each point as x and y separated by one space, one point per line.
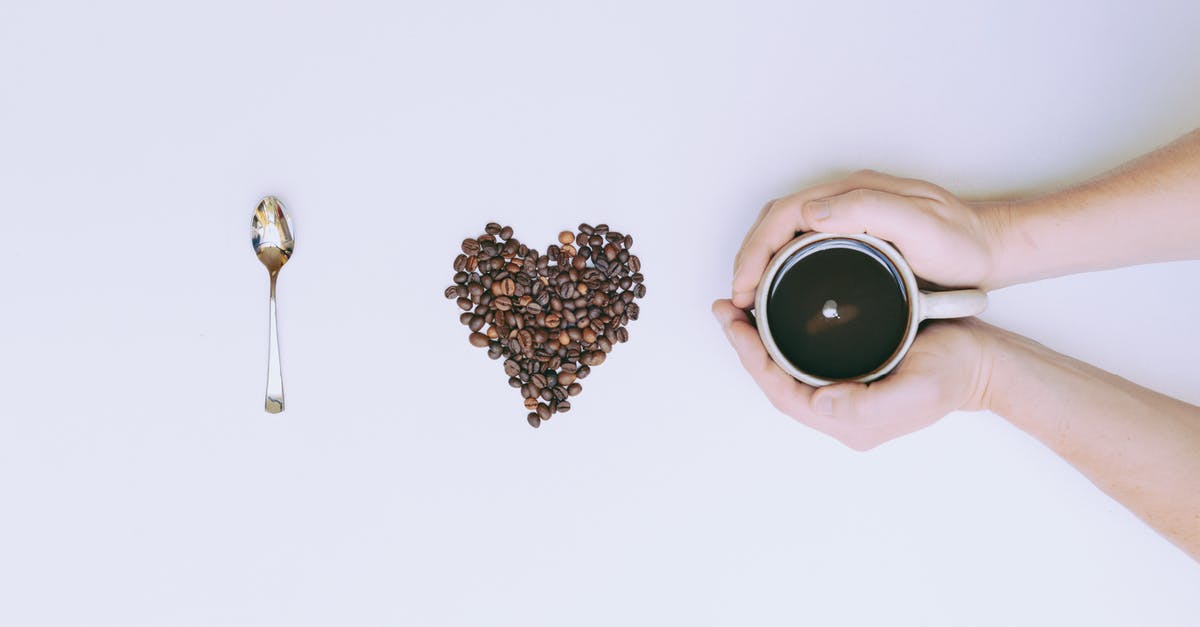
563 406
452 291
566 237
574 389
479 340
465 303
470 246
531 403
543 411
534 420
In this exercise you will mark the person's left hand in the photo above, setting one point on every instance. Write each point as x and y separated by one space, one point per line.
945 370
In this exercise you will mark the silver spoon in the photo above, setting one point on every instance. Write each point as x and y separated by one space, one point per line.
273 244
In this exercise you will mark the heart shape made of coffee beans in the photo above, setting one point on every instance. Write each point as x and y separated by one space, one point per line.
551 317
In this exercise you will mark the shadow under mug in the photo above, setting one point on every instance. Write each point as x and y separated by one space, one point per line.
922 305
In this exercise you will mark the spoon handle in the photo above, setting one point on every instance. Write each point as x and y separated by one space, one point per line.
274 402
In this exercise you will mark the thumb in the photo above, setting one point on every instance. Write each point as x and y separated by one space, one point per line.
887 216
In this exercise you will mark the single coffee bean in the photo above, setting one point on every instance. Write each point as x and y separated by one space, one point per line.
566 237
470 246
452 291
574 389
531 403
479 340
563 407
465 304
534 420
492 228
543 411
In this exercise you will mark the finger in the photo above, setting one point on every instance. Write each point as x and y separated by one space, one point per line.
785 393
885 215
737 259
907 400
900 186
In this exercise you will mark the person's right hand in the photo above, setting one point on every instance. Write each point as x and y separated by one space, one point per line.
948 368
945 240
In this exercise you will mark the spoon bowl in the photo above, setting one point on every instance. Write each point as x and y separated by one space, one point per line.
272 234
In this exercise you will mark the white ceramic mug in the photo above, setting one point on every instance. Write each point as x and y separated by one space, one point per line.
921 305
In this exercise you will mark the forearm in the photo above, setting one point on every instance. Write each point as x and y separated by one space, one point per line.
1146 211
1140 447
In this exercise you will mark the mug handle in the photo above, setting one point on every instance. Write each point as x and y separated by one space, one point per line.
953 304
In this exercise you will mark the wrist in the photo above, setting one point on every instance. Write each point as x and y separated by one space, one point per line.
999 233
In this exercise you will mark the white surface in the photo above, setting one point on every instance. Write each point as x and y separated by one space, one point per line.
141 483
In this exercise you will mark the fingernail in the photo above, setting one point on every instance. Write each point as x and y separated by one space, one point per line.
823 404
819 209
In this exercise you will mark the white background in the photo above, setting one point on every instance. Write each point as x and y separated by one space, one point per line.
142 484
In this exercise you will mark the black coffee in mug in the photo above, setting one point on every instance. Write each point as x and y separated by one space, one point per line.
839 309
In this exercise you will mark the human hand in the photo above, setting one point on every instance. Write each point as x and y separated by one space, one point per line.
946 369
945 240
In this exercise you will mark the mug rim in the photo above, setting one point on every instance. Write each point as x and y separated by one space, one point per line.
781 257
